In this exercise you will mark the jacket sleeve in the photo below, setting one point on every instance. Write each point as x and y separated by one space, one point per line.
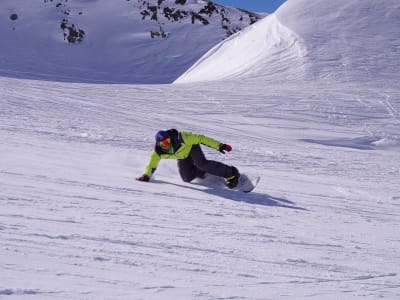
195 139
152 164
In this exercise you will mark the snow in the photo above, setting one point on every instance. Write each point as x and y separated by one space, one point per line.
341 40
117 47
321 224
267 44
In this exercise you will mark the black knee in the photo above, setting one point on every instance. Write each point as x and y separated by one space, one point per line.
187 178
187 171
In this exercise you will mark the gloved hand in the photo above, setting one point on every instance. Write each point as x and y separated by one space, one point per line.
224 147
144 177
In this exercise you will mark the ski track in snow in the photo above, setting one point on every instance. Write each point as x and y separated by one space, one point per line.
322 223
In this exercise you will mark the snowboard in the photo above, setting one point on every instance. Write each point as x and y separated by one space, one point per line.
246 184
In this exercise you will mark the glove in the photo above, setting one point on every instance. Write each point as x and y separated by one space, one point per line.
224 147
144 178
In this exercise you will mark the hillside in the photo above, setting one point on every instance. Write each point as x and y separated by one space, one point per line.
122 41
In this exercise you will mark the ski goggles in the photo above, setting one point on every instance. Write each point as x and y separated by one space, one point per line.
165 143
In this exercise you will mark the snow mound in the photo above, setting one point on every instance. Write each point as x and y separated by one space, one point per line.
345 40
251 53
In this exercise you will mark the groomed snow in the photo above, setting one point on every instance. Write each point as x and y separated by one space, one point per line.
322 223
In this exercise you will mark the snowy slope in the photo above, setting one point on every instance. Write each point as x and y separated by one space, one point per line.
322 223
141 41
346 40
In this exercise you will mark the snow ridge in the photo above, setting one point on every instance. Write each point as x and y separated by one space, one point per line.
265 45
342 40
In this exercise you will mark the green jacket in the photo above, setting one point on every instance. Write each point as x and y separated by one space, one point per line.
182 143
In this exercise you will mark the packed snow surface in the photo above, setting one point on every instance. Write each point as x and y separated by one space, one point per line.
321 224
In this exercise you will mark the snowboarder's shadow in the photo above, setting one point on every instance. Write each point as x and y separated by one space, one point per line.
251 198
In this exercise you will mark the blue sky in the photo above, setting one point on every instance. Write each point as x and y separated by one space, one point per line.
268 6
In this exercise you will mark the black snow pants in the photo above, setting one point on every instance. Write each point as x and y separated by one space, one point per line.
196 165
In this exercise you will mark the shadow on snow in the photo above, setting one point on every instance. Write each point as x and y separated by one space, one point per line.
251 198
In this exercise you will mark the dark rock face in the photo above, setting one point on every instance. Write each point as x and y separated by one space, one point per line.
13 17
159 12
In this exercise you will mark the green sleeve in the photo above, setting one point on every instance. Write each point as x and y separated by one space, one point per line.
194 139
152 164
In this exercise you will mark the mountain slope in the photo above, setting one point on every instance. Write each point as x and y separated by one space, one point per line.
310 40
145 41
321 224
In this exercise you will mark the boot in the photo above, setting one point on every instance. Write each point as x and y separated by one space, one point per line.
233 180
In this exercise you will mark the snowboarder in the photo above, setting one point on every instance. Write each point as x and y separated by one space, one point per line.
192 163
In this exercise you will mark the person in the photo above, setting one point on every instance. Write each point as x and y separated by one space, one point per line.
192 163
